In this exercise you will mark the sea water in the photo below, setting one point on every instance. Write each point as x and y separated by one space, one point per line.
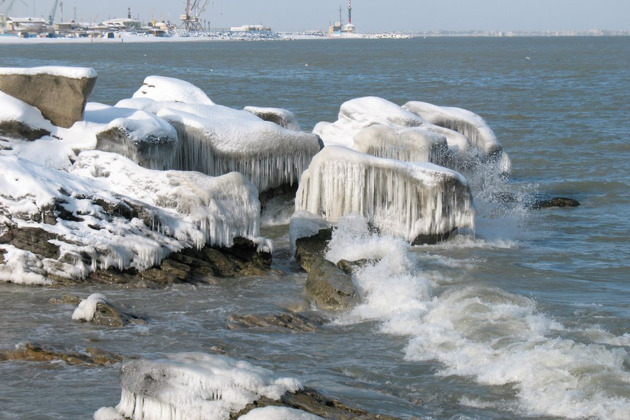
530 317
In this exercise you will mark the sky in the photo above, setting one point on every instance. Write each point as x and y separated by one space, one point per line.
367 15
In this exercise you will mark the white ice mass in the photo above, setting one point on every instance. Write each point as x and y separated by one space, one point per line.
87 308
406 200
193 386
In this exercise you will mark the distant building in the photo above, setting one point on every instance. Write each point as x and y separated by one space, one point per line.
250 28
27 25
122 24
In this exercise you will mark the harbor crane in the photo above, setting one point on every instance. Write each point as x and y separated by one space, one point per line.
191 19
5 8
53 12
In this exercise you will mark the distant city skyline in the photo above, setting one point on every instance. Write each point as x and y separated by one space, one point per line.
367 15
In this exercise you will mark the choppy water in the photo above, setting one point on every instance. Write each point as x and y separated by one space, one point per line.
531 318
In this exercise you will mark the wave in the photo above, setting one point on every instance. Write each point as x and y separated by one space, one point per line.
492 336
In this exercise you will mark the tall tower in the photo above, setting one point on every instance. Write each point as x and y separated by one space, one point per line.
350 11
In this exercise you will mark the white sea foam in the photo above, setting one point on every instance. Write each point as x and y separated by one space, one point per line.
495 337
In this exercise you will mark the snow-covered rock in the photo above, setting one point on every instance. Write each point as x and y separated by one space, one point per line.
109 212
60 93
21 120
168 89
414 201
280 116
193 386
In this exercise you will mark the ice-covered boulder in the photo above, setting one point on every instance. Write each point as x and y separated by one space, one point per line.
359 113
60 93
109 212
215 140
463 121
168 89
414 201
415 144
20 120
193 386
142 137
280 116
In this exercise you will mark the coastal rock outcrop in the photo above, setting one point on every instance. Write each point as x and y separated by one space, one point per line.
330 287
34 352
97 310
60 93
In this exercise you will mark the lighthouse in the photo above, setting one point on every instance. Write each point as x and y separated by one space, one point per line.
349 27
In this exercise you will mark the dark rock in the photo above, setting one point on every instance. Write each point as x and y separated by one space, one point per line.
309 248
19 130
66 300
554 202
60 99
37 353
431 239
111 316
329 287
283 321
32 239
313 402
152 152
350 267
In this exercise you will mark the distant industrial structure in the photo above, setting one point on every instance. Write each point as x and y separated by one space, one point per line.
191 19
338 28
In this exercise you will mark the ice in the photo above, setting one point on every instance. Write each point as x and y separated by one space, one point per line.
87 308
402 199
168 89
278 413
280 116
359 113
194 386
69 72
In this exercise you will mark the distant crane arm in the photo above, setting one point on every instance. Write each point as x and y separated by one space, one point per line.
53 12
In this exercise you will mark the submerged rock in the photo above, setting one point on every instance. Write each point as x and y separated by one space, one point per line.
284 321
554 202
60 93
97 310
38 353
330 287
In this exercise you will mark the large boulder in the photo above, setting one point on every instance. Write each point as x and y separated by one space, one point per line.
330 287
413 201
60 93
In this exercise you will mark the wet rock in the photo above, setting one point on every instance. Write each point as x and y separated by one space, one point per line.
19 130
283 321
38 353
307 249
32 239
60 97
66 300
313 402
350 267
329 287
554 202
97 310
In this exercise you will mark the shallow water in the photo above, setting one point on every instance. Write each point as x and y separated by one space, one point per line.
527 319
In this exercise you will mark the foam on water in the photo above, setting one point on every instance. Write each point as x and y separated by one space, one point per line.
495 337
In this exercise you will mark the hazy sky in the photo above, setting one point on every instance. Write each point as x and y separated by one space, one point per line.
367 15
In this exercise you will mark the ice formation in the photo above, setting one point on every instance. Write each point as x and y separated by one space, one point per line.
416 144
168 89
122 215
215 140
280 116
193 386
87 308
406 200
359 113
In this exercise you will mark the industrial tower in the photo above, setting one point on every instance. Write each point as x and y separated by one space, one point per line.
191 19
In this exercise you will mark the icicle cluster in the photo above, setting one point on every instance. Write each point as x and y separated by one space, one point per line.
402 199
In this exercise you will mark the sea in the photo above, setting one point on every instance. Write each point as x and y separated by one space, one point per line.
526 317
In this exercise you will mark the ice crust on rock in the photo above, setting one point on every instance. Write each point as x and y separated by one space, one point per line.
168 89
193 386
87 307
406 200
357 114
215 140
280 116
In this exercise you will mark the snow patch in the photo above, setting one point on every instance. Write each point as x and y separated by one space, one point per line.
87 308
168 89
69 72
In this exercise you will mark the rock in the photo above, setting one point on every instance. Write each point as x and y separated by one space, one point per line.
37 353
284 118
59 93
350 267
283 321
97 310
19 130
32 239
554 202
309 248
311 401
66 300
329 287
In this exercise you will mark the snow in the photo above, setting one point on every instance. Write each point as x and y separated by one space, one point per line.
359 113
87 307
194 386
14 109
401 199
168 89
69 72
278 413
